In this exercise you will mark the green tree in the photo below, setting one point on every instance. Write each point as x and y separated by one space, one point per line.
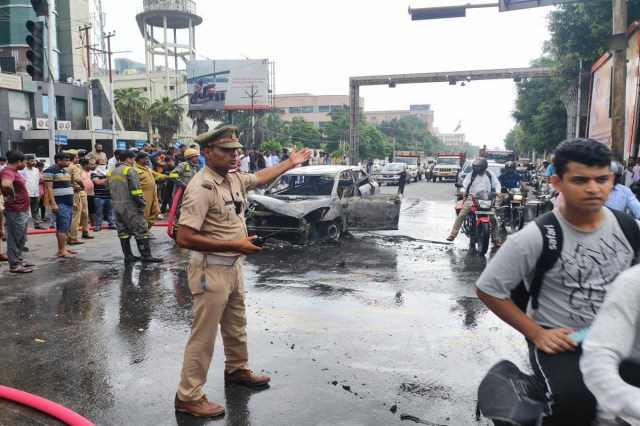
510 140
578 31
166 117
373 143
132 108
301 130
272 144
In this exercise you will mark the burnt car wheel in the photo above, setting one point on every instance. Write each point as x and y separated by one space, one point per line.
333 230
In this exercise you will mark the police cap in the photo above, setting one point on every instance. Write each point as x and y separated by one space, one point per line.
224 137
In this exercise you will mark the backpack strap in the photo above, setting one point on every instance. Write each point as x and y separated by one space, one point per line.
551 249
630 229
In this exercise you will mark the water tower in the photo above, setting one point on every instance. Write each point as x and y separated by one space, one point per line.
168 28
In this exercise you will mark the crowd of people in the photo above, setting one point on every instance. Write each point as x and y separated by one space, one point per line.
592 283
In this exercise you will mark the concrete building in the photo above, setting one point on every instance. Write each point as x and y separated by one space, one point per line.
454 140
24 112
312 108
72 14
423 112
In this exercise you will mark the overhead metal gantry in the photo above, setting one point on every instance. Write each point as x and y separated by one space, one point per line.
452 77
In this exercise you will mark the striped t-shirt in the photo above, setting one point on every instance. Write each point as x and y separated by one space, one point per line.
62 186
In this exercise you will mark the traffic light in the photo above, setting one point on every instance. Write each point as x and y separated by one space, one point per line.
37 69
40 6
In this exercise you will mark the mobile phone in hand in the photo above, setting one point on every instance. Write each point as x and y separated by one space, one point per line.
579 335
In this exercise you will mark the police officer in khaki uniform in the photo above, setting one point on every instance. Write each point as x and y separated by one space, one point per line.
213 226
128 208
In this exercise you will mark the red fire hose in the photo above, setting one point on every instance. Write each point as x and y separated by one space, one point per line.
44 405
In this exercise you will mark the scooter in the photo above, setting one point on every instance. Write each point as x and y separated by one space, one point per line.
203 91
478 223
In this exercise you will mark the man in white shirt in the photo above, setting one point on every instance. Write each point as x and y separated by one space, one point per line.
480 179
31 176
111 164
244 162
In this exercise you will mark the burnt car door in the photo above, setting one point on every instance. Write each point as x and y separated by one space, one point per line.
365 212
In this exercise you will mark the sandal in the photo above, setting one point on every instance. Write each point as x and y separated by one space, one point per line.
20 270
72 251
27 264
66 256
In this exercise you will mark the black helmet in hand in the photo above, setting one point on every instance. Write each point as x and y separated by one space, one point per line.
510 165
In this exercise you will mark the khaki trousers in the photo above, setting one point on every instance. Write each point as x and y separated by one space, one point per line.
80 216
466 208
218 298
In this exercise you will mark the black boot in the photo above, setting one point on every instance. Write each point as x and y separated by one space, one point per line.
125 243
145 251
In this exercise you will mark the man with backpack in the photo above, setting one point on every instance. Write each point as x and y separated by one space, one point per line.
568 259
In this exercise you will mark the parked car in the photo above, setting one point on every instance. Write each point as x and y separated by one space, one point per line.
495 169
322 202
391 172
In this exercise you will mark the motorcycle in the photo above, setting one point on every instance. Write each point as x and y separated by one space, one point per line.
203 91
513 209
478 223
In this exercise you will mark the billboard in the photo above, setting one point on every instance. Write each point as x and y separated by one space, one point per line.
599 126
217 85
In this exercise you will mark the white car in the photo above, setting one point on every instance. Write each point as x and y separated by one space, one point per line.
391 173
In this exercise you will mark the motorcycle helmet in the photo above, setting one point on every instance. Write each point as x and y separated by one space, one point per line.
510 165
481 162
618 171
82 153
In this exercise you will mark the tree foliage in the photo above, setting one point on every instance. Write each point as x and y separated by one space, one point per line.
132 108
578 31
166 117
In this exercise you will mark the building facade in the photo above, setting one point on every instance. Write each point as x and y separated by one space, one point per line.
312 108
422 111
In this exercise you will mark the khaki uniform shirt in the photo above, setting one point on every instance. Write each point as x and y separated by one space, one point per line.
148 177
97 156
208 205
75 171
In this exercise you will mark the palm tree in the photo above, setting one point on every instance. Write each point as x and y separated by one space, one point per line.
166 116
132 108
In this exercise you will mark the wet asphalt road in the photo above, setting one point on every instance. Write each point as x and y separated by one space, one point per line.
380 328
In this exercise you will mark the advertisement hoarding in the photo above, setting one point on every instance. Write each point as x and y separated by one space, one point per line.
216 85
599 125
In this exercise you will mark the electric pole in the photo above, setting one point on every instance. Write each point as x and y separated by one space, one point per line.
51 91
619 80
113 101
87 38
252 96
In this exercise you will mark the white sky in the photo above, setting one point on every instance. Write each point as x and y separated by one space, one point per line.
318 45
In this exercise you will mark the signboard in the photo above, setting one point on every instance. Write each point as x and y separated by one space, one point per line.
62 139
600 103
9 81
633 82
217 85
140 144
121 145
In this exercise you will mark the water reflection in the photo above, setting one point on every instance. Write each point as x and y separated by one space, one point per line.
470 308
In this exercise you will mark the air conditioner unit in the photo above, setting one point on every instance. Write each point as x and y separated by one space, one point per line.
40 123
96 121
63 125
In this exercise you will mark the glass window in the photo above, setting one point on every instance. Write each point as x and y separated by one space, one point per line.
324 108
295 110
18 105
60 108
307 109
79 113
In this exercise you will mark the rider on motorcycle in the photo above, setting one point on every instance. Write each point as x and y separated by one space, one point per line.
510 179
480 179
622 198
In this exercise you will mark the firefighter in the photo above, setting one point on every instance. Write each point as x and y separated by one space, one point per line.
183 173
128 207
186 170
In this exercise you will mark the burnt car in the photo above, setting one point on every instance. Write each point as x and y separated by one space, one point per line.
321 202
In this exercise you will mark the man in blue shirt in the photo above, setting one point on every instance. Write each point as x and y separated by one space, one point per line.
621 198
510 179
